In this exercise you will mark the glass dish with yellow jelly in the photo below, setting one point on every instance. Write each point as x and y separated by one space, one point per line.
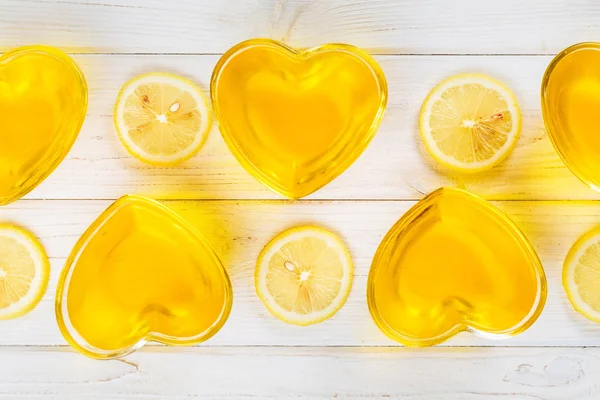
454 262
43 102
570 104
296 119
140 273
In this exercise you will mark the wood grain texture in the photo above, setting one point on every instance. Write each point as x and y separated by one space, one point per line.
239 230
255 356
381 26
305 373
394 166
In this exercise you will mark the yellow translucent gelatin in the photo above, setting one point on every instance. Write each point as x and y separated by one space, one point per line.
570 104
296 119
140 273
43 102
454 262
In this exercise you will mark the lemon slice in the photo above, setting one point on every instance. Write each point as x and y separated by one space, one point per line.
304 275
24 270
470 122
162 119
581 275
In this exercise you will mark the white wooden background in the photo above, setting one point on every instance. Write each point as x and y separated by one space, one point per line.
255 356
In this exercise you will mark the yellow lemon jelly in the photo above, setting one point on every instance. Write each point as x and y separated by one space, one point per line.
454 262
43 102
570 104
140 273
296 119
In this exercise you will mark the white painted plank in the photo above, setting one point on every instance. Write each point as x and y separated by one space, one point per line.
304 373
394 166
238 231
382 26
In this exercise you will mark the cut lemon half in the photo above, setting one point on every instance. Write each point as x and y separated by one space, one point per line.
162 119
470 122
24 271
304 275
581 275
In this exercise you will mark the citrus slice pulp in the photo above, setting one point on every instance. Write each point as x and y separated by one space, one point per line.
24 271
470 122
304 275
581 275
162 119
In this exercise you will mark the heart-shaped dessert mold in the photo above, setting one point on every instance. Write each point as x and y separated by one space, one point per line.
454 262
296 119
570 99
43 102
140 273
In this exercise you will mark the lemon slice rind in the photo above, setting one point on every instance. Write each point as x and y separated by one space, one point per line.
577 251
183 84
457 81
39 283
262 269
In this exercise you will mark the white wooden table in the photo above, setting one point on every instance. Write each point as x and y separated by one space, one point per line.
256 356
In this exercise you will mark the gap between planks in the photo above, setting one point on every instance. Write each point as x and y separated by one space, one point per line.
371 52
308 201
158 347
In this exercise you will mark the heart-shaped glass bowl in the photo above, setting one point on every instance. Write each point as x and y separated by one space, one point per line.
570 103
454 262
296 119
140 273
43 102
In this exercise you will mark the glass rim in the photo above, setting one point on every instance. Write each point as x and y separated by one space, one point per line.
552 132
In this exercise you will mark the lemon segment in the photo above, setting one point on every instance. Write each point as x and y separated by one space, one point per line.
470 122
24 272
304 275
162 119
581 275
